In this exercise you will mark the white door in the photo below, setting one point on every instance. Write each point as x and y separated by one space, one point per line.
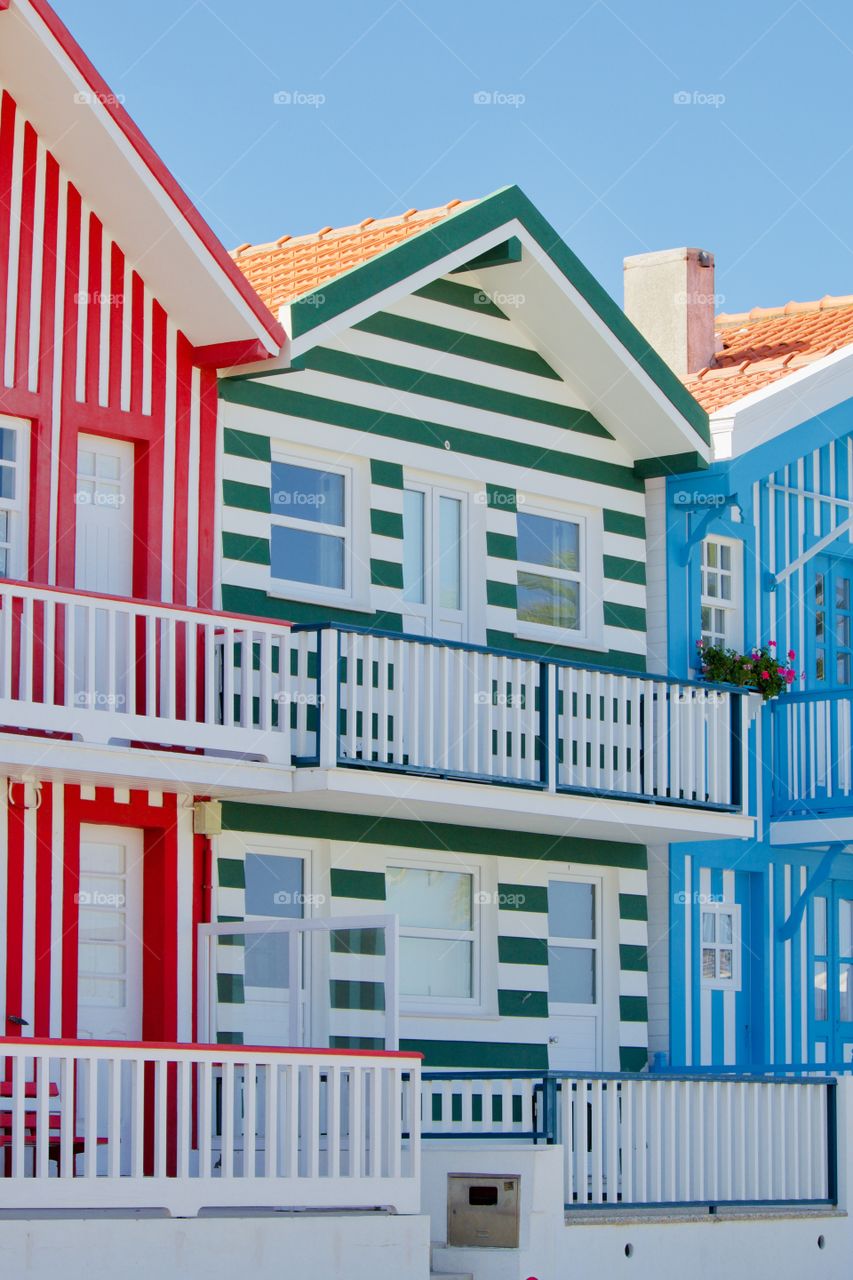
574 974
109 953
104 506
435 584
275 890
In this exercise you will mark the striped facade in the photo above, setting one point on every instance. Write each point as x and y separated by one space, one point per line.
39 876
793 524
85 347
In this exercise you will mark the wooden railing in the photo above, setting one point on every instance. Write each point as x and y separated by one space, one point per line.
641 1140
459 711
812 752
184 1127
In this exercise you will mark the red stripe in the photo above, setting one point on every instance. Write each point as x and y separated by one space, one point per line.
183 408
7 149
115 303
137 341
70 890
44 896
207 495
221 1050
25 254
14 912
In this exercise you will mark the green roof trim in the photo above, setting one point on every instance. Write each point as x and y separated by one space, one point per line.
451 234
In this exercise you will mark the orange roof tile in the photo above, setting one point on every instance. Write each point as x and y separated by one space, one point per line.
761 346
292 266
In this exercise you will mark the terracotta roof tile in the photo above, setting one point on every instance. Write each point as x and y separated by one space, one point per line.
292 266
768 343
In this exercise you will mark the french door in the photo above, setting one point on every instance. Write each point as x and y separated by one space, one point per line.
832 976
435 587
574 974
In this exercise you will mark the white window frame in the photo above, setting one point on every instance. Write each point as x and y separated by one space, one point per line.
355 591
18 506
590 635
429 611
450 1004
721 909
733 608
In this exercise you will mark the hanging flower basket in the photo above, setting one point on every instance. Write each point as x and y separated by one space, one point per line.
759 669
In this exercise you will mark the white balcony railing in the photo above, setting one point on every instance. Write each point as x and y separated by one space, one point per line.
644 1140
184 1127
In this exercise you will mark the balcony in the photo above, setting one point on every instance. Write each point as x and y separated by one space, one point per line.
360 721
812 766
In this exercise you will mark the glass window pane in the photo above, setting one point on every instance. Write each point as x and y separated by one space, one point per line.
571 909
267 960
845 927
842 593
818 588
842 665
725 588
274 886
820 926
842 631
436 967
709 926
308 493
571 975
725 970
845 992
711 586
86 462
711 554
725 557
413 546
819 625
7 483
709 962
426 899
450 553
555 543
8 444
821 1003
301 556
725 927
551 602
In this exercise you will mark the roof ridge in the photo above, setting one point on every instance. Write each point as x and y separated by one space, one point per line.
828 302
330 233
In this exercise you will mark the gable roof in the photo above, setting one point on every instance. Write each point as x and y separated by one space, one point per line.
506 247
292 266
120 175
767 344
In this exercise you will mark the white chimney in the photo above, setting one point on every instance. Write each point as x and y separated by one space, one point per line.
669 296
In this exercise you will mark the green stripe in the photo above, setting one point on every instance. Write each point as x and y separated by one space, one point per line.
523 1004
503 546
502 594
257 604
672 464
248 497
414 432
615 658
241 546
474 1053
388 474
229 1037
232 873
358 884
634 958
452 341
246 444
230 989
620 569
263 819
522 950
501 498
522 897
372 1043
386 573
621 522
633 1059
473 395
633 1009
387 524
633 906
367 996
627 616
460 295
358 942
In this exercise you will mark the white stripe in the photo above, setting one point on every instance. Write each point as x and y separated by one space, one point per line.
126 318
104 352
56 907
730 997
184 923
706 1034
15 213
804 972
147 351
4 891
771 952
788 1011
58 356
688 961
28 912
166 555
192 490
37 269
83 303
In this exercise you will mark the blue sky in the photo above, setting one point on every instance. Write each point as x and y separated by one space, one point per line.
756 164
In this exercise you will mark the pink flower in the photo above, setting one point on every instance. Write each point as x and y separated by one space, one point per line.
792 653
700 644
765 675
789 676
772 644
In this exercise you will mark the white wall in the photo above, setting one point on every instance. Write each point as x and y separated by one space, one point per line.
659 918
656 653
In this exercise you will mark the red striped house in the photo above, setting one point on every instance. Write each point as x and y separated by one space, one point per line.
117 304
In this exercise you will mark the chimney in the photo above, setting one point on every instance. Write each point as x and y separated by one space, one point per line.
669 296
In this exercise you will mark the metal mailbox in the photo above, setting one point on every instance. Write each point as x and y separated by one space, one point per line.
483 1210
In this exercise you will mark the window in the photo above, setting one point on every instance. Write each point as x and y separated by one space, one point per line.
720 592
12 497
820 947
310 526
552 598
572 942
720 943
436 913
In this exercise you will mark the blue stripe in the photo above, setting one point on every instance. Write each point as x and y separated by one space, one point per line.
677 933
718 998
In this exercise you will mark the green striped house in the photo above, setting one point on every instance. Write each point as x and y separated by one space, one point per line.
456 445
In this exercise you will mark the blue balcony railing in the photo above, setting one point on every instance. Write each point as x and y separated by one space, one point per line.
812 758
